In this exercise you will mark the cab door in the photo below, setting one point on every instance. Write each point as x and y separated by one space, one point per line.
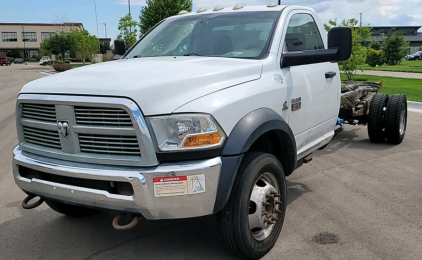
313 88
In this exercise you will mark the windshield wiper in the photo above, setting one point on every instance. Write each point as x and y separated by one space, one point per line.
192 54
137 56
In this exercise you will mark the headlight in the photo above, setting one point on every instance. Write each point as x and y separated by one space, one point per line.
184 132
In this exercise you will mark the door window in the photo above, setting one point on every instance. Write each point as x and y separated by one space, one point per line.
303 34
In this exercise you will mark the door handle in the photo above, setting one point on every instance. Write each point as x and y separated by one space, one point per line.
329 75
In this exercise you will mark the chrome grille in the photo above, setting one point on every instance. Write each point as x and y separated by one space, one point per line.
102 117
39 112
109 144
42 137
102 130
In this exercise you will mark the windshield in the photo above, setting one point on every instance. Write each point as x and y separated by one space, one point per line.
242 35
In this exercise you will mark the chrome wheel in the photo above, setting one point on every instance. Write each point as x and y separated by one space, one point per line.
264 206
402 120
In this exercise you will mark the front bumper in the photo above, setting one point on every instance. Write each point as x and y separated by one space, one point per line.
143 200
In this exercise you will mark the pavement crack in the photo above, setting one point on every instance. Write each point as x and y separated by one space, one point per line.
110 248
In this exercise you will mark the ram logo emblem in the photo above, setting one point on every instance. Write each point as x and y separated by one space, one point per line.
63 128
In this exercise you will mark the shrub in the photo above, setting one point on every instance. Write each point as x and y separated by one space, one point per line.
67 61
62 67
374 57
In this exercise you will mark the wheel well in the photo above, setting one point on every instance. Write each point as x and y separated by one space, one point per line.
279 144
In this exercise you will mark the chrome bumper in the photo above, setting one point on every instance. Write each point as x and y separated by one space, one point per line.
143 200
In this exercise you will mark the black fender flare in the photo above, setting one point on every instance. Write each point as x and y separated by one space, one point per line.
244 134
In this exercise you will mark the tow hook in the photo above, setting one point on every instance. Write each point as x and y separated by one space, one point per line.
131 225
25 202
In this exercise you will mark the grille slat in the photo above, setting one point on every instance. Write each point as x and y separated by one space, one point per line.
112 145
102 117
42 137
39 112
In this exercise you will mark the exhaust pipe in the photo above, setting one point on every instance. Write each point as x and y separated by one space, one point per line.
25 202
131 225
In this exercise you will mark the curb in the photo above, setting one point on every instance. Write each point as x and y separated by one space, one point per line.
414 106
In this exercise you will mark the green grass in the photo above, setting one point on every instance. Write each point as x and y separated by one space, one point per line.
412 88
405 66
80 65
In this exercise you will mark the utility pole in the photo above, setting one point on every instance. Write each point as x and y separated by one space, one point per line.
279 2
105 28
360 21
130 27
23 39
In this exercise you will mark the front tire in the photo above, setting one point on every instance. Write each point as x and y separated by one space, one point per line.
396 118
253 217
68 209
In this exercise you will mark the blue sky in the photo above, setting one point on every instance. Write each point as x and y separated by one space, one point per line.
49 11
375 12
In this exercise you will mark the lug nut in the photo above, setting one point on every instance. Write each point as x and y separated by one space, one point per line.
274 219
265 203
277 195
278 202
277 211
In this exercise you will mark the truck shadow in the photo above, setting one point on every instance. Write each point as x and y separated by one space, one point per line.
44 234
347 139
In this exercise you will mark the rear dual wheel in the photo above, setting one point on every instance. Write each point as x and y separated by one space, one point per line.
253 217
387 118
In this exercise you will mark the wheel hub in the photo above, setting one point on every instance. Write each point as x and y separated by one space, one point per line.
264 207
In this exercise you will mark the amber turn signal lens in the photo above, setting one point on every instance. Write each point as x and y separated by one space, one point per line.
203 139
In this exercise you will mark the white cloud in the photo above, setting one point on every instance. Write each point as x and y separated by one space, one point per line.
374 12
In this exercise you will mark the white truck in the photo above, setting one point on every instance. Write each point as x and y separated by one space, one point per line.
206 114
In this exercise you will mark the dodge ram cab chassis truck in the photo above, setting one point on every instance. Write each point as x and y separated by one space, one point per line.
206 114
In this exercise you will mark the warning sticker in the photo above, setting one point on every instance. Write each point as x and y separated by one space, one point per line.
179 185
170 186
196 184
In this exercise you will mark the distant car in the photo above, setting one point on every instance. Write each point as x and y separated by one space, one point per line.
5 60
18 60
45 59
414 56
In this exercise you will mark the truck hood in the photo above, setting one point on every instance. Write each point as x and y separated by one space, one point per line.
159 85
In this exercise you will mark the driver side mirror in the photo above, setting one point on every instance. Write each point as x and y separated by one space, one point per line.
340 38
339 49
119 49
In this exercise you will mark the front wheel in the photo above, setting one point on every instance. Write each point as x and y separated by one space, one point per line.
253 217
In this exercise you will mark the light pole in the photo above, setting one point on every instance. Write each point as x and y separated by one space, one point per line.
105 29
96 19
360 21
129 5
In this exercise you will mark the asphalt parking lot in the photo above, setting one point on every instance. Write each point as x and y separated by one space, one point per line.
363 199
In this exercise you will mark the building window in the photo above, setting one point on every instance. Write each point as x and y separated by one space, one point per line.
31 53
46 35
9 36
29 37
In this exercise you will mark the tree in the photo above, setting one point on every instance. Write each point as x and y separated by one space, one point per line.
128 31
359 37
395 47
157 10
374 55
85 44
59 44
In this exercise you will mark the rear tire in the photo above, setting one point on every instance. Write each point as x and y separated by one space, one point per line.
247 229
396 118
68 209
376 118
